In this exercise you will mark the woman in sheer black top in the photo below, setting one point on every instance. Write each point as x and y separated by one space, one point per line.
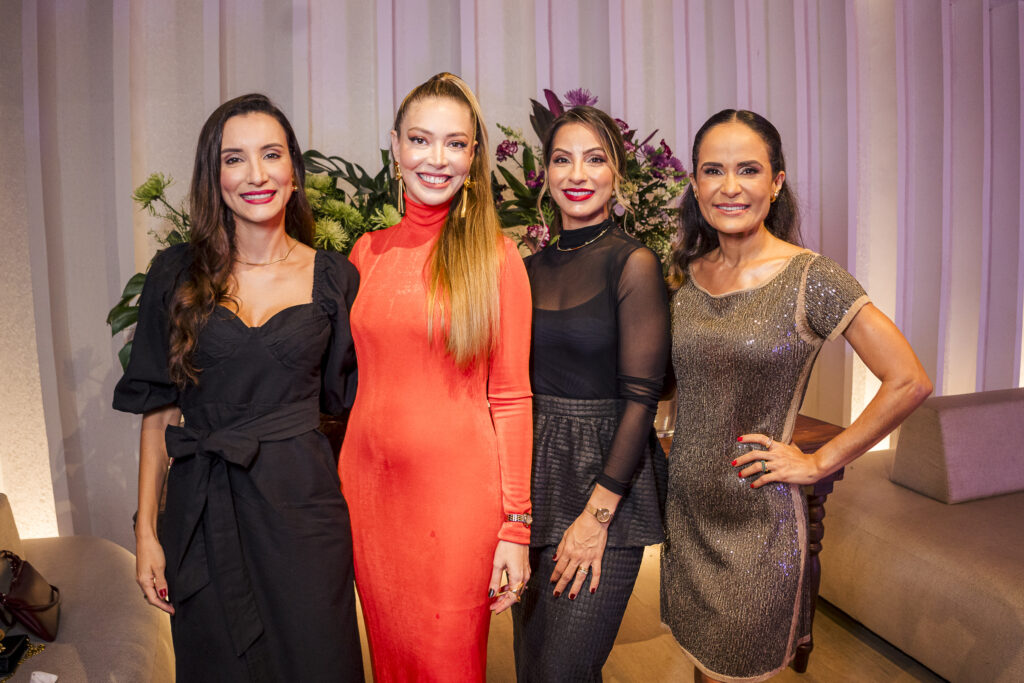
598 359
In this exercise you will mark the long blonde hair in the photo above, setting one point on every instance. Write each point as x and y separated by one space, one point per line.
463 268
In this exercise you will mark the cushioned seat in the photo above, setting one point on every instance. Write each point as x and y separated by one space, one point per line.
107 631
941 582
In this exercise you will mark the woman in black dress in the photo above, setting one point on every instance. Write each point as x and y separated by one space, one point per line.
598 360
244 331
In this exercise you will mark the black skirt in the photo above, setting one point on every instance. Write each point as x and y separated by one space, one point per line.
571 439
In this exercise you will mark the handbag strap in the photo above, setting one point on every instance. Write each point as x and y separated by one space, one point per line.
9 602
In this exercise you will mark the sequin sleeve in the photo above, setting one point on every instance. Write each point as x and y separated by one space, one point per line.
831 297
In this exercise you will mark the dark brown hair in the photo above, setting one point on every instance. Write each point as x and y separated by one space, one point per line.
212 240
606 130
695 236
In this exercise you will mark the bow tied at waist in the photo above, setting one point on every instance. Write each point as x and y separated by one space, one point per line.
206 545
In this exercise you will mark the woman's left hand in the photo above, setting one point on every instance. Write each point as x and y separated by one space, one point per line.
579 554
783 462
514 560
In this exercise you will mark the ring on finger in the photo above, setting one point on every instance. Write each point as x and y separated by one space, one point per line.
583 570
764 467
770 442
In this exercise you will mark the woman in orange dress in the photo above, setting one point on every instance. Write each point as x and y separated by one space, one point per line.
436 460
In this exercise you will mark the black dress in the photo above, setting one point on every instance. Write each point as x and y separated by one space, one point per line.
598 359
255 530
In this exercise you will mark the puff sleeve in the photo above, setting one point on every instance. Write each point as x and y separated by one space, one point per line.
146 383
337 283
831 297
509 395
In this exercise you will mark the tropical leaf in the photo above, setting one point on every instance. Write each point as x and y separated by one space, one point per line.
554 103
541 119
518 188
122 317
124 354
134 287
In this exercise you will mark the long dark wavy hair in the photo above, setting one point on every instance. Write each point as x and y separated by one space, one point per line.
212 242
695 236
610 136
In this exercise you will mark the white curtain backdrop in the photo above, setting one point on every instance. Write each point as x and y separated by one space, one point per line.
902 121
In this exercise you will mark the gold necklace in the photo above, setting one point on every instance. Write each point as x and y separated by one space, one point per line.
558 244
295 243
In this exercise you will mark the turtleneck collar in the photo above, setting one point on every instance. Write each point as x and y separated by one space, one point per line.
423 216
569 239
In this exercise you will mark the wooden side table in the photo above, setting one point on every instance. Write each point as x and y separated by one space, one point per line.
809 435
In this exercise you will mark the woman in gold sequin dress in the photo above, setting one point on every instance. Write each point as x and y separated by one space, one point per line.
750 311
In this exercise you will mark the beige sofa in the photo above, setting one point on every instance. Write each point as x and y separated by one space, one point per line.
924 544
107 631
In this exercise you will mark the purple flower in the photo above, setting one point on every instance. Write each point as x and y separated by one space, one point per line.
540 234
534 179
580 97
506 150
677 166
665 147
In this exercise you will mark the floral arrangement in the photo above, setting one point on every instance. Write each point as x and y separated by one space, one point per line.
346 202
653 184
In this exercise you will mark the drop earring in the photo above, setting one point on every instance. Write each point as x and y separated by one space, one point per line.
401 189
465 197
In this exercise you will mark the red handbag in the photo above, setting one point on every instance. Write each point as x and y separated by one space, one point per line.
25 596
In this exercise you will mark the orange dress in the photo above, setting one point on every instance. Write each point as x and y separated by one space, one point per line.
433 459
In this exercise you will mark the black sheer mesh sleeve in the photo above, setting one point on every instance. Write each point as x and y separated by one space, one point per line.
600 331
643 336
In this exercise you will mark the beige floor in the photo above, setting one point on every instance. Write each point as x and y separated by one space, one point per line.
645 652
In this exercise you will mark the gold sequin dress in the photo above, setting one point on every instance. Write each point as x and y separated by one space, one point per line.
733 563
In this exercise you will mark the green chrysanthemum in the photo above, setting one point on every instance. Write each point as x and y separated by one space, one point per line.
343 212
321 182
314 197
331 235
152 190
384 217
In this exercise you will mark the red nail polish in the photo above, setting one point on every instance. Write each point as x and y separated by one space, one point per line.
163 593
751 486
572 596
593 590
734 463
740 475
739 438
557 593
554 558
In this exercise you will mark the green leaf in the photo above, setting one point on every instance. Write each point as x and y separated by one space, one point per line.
134 286
529 163
124 354
518 189
122 317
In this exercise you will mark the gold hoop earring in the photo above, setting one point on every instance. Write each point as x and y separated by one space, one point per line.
465 196
775 195
401 189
